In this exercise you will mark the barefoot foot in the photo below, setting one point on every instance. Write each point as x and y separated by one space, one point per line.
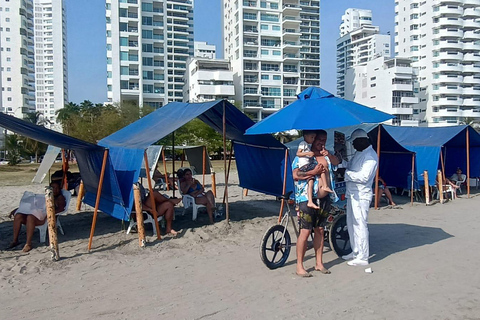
312 205
172 233
12 244
27 248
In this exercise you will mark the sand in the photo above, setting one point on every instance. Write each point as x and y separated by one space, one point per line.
424 262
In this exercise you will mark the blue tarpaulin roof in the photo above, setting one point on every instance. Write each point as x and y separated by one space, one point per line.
259 158
428 142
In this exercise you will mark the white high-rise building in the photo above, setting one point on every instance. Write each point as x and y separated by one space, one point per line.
385 84
205 50
51 87
208 79
17 57
442 39
274 49
148 44
359 42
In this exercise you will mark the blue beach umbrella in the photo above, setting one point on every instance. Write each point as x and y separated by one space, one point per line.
318 109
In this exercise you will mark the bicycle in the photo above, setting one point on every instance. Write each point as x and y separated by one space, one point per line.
277 242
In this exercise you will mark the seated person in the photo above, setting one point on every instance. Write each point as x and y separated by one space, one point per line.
458 176
157 175
383 190
446 183
192 187
164 207
37 218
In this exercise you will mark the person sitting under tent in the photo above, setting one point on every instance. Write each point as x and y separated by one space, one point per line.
34 218
159 176
383 190
192 187
458 176
163 205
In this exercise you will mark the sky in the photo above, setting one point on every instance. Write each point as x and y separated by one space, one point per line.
86 40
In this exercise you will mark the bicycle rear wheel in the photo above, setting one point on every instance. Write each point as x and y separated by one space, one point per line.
275 247
338 236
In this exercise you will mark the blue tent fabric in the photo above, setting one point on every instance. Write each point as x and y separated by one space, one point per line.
428 142
127 145
89 159
316 108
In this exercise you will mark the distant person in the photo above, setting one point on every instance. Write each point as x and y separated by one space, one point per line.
306 163
34 218
458 176
359 174
384 190
192 187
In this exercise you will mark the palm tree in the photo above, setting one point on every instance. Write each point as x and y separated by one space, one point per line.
31 145
469 121
66 116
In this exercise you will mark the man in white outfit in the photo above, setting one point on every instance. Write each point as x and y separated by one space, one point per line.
359 174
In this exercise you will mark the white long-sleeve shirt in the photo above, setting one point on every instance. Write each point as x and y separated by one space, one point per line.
360 173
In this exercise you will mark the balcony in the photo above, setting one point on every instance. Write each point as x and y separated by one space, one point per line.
471 102
447 33
452 55
450 101
447 11
467 24
471 46
471 35
471 57
472 80
471 13
409 100
402 111
471 91
471 68
448 79
454 22
452 67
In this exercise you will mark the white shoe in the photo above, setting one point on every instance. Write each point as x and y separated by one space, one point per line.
348 256
357 262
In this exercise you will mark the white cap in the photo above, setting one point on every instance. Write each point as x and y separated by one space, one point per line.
358 133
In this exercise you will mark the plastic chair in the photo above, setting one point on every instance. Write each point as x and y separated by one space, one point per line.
189 202
416 188
446 189
44 227
147 218
461 182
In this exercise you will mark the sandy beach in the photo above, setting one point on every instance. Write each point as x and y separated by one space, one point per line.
424 261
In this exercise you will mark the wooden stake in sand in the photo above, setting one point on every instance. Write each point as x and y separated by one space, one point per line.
52 225
138 210
440 185
214 185
152 198
81 194
427 187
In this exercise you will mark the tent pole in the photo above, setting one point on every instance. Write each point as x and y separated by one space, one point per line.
284 186
214 185
413 177
427 187
138 211
154 207
377 198
183 158
468 164
204 166
442 163
173 164
81 193
64 169
97 200
165 169
225 196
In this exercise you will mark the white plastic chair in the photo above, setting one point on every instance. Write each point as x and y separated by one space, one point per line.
460 182
44 227
149 219
189 202
446 189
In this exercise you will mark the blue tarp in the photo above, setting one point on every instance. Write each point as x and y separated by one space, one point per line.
259 158
89 158
428 142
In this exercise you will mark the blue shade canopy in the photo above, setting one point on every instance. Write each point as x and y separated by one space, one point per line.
318 109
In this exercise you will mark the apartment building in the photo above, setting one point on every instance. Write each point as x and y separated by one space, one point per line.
442 39
204 50
148 44
17 57
208 79
274 50
359 43
51 87
385 84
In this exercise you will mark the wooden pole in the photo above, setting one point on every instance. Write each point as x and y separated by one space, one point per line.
377 196
52 223
412 180
442 162
284 185
214 185
152 198
468 164
81 194
139 214
224 122
204 163
427 187
183 158
440 186
225 194
97 200
165 169
173 164
64 169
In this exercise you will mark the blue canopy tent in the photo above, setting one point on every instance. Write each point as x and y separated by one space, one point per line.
432 144
94 164
259 158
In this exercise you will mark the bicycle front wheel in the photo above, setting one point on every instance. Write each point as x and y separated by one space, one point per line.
275 247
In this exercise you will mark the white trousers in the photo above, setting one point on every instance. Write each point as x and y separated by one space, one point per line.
357 223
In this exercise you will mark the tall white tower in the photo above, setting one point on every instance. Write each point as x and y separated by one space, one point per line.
359 42
148 44
274 50
17 57
442 39
51 87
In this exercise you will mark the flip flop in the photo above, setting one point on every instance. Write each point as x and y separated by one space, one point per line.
304 275
323 270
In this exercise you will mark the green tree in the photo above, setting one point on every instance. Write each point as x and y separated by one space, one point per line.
32 147
14 148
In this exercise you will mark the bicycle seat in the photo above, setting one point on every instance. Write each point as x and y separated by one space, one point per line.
286 196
